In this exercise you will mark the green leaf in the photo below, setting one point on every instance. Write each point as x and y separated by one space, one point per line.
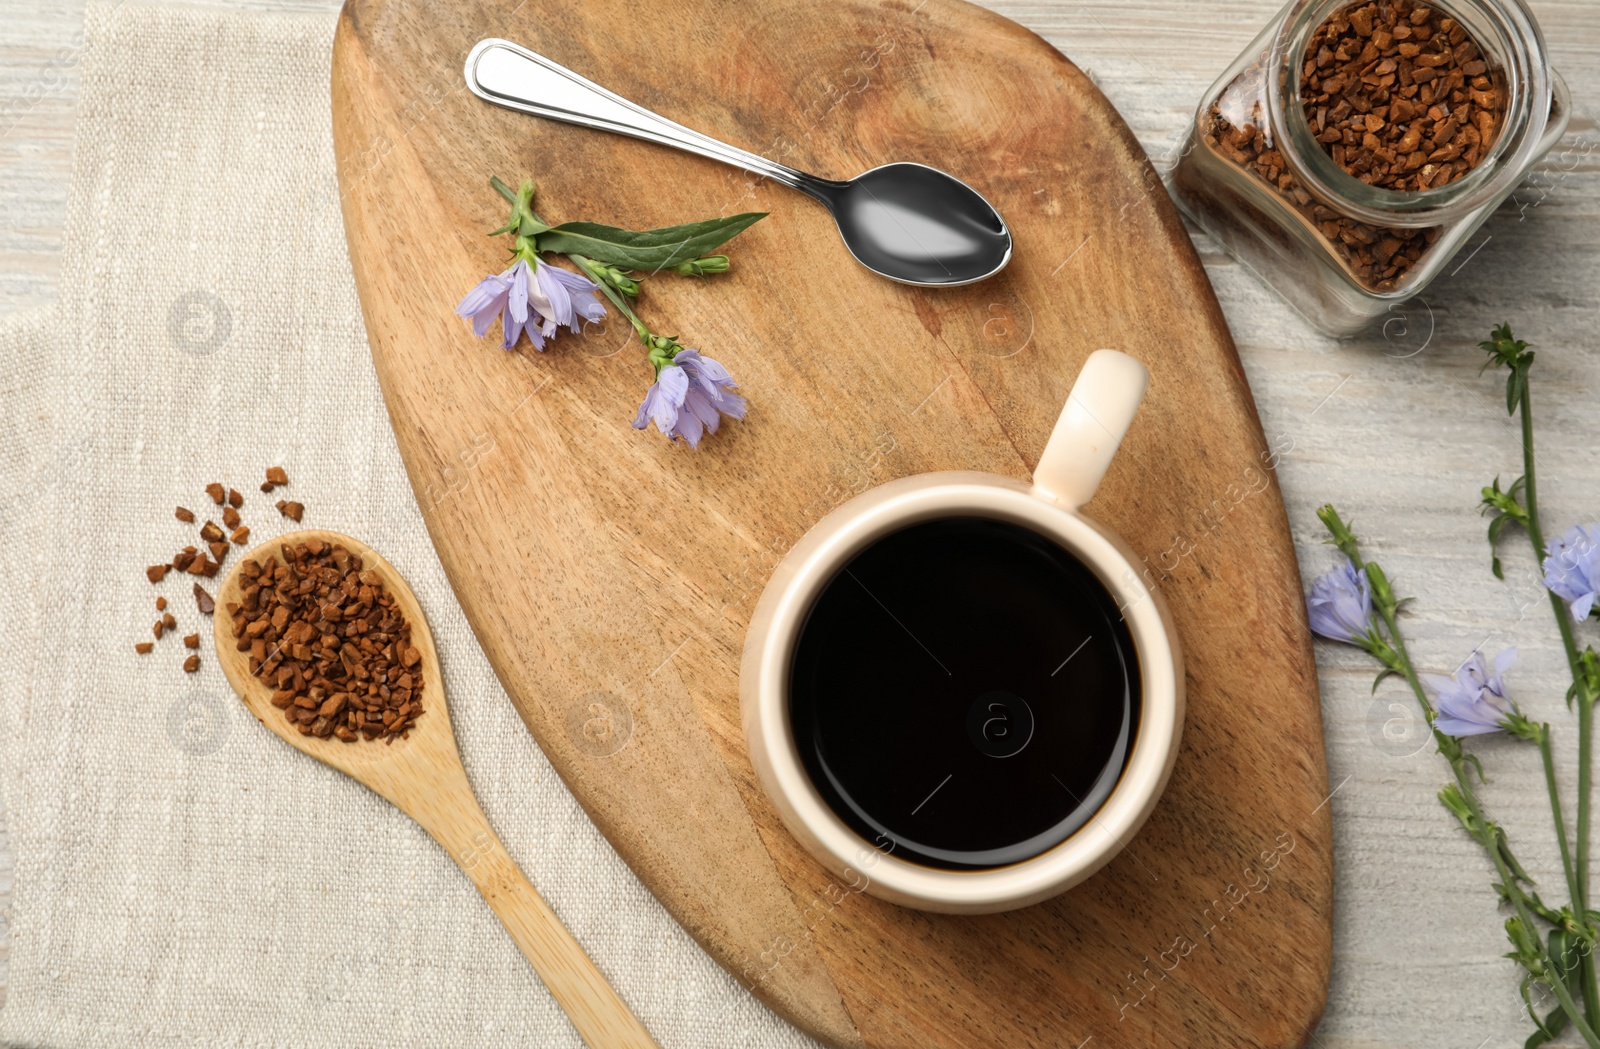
1549 1030
1562 956
652 249
1544 1032
1382 674
1506 509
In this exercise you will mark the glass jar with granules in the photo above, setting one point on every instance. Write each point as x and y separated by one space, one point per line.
1353 148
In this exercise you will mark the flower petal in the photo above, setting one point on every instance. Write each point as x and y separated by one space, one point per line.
483 295
731 405
646 407
560 311
689 428
518 275
484 303
537 299
580 292
1451 725
673 384
700 406
485 318
715 372
512 329
1437 683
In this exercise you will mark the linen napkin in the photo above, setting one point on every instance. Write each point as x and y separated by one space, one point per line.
181 876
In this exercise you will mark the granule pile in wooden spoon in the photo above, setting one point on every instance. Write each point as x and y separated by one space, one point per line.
331 641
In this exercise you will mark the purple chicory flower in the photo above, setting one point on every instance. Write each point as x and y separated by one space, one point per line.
690 396
1473 701
534 298
1572 569
1340 604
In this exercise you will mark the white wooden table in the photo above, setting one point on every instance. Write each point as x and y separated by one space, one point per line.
1397 428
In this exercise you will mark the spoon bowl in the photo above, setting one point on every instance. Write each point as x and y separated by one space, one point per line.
422 774
393 770
919 225
908 222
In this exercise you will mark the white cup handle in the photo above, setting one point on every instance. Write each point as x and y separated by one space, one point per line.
1091 426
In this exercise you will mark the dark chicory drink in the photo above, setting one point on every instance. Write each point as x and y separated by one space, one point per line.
964 693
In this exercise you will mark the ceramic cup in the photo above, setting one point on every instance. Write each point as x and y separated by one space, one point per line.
1097 414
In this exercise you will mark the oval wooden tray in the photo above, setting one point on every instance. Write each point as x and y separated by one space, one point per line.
609 574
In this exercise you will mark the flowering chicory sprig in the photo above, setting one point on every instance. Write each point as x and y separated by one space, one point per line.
1355 604
691 392
1471 701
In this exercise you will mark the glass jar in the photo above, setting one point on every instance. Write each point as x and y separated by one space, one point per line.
1300 233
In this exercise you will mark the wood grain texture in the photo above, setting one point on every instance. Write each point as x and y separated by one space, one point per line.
601 565
422 775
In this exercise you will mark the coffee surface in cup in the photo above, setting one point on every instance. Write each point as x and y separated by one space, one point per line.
964 693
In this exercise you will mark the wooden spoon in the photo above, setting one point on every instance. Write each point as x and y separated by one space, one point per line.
422 775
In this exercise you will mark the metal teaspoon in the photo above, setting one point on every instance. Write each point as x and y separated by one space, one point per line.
908 222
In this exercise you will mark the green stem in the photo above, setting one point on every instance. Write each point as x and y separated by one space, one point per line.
1535 530
1398 643
1585 737
591 268
1580 892
1530 495
1591 984
1578 875
1555 812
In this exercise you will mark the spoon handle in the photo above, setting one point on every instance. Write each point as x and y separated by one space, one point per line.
510 75
601 1017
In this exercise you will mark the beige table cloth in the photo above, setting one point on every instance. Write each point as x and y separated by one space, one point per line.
182 877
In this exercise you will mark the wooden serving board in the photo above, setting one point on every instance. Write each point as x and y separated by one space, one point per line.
610 574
